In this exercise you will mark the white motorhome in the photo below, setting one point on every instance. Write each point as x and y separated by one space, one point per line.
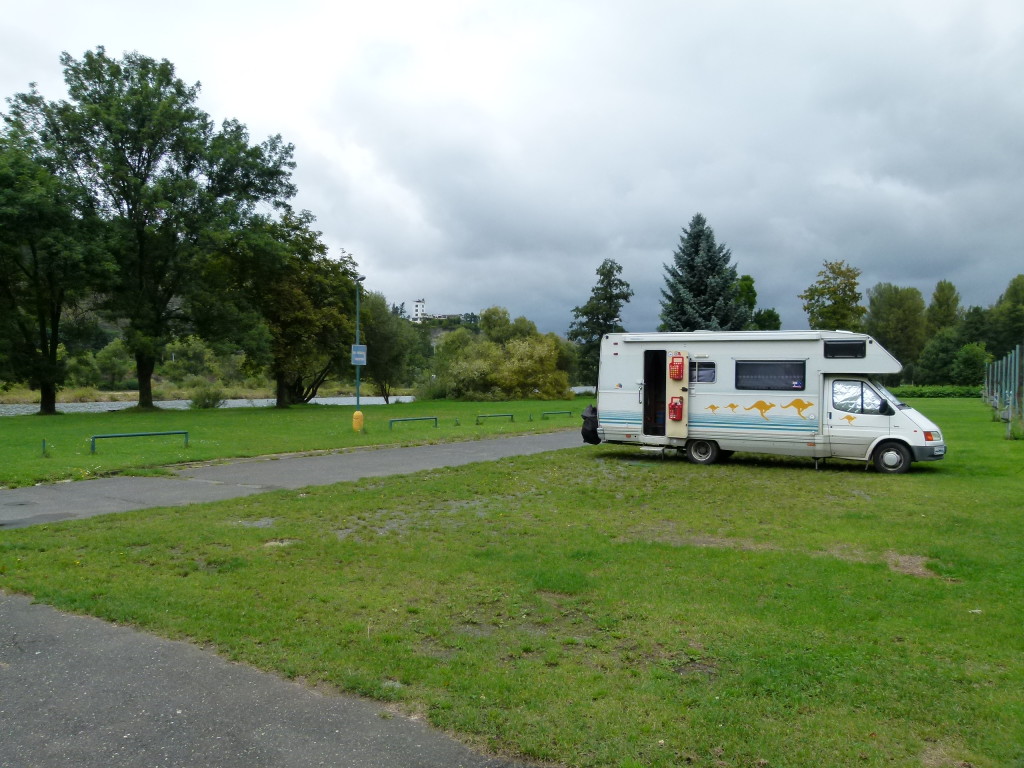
794 393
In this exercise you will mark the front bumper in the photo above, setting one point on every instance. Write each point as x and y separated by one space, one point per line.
929 452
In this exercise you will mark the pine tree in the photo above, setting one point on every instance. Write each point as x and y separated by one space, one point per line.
600 315
701 288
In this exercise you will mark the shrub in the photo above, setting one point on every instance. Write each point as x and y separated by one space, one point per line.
206 394
936 390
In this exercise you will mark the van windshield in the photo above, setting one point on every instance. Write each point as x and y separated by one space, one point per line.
889 396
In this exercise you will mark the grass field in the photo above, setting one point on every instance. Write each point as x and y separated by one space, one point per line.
597 607
237 432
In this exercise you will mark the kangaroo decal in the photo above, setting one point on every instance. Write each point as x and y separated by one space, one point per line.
712 408
762 407
733 406
800 405
849 419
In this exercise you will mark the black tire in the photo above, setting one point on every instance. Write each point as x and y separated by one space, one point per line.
702 451
892 458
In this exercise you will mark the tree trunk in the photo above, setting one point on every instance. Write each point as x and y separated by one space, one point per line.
282 390
47 398
144 367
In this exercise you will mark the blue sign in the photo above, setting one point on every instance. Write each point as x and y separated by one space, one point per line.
358 354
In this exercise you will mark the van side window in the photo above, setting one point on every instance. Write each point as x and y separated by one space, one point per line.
845 349
855 397
702 372
786 375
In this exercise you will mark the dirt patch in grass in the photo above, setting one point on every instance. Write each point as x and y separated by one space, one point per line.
912 565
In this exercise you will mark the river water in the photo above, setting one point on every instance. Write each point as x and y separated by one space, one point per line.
21 410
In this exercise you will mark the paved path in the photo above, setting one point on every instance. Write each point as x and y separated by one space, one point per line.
214 482
76 691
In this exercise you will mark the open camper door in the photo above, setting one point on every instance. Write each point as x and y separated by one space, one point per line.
677 395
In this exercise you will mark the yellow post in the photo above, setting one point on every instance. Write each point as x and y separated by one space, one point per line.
357 421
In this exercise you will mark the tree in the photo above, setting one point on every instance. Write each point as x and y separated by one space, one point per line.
600 315
944 310
969 365
524 364
497 325
766 320
760 319
167 184
934 365
48 258
896 319
391 343
747 293
701 288
304 299
1006 319
833 302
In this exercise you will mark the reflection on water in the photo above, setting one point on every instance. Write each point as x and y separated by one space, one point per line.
21 410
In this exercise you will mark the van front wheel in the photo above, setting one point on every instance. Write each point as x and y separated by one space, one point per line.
892 458
702 451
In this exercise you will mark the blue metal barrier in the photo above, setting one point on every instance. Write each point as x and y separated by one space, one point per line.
391 422
136 434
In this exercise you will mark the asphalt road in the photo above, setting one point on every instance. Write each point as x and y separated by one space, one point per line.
213 482
77 691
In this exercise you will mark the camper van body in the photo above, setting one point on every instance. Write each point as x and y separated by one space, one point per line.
793 393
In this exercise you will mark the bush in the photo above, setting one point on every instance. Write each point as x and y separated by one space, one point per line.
206 394
936 390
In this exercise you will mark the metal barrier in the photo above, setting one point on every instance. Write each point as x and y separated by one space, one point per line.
137 434
391 422
545 414
509 416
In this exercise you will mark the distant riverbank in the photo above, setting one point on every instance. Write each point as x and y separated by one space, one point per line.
98 406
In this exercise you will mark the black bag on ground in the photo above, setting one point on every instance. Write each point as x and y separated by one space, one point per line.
589 430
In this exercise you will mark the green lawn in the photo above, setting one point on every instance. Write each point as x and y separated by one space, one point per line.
598 607
236 432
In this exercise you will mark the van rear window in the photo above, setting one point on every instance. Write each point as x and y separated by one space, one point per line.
788 375
845 349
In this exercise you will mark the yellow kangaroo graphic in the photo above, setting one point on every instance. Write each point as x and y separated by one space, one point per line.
762 407
733 406
849 419
800 405
712 408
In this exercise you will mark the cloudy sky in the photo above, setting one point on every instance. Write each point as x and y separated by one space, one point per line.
494 153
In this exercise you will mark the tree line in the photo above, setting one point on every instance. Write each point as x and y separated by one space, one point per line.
941 342
136 234
132 226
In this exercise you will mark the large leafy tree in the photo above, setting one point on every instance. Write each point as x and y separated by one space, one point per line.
506 360
896 318
296 303
760 319
701 286
600 315
165 180
934 366
944 309
1006 319
392 345
832 303
49 258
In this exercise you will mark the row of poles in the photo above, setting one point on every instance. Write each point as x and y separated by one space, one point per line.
1004 380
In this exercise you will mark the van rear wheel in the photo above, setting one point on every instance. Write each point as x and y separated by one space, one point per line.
702 451
892 458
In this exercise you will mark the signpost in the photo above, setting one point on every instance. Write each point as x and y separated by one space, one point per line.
358 359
